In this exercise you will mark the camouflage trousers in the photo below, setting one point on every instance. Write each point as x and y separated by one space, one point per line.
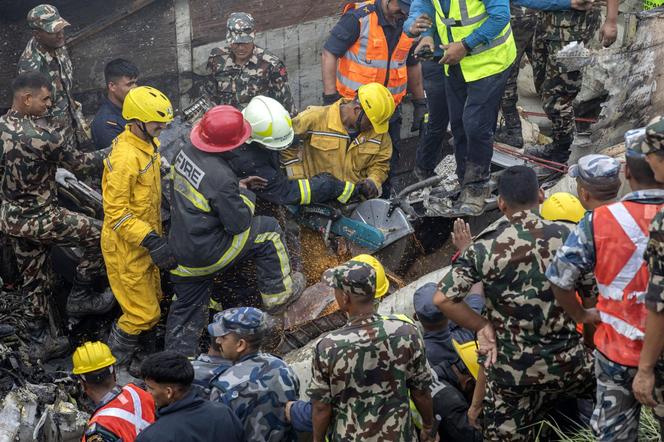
617 412
513 412
32 237
523 27
556 85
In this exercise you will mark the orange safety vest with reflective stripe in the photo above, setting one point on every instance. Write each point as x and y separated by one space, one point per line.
127 414
369 60
620 233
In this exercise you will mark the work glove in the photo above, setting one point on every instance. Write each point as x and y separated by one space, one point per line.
367 189
160 252
62 175
419 113
331 98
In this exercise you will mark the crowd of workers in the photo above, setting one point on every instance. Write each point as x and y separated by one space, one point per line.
556 316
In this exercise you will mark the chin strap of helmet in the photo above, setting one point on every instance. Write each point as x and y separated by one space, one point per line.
141 126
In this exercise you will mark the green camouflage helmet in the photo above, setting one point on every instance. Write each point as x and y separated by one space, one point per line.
240 28
654 135
47 18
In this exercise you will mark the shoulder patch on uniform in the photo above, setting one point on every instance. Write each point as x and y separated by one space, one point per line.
112 123
363 11
399 317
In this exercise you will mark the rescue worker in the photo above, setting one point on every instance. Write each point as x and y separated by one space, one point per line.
368 45
562 206
241 70
213 229
648 378
121 413
131 238
479 54
533 353
597 180
46 53
348 404
347 139
258 385
272 132
556 84
610 241
33 220
120 76
182 415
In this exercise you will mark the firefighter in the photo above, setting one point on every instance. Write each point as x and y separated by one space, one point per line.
121 412
347 139
213 229
131 237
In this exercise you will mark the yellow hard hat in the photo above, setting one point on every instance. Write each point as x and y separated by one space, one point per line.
562 206
468 354
92 356
382 284
378 105
147 104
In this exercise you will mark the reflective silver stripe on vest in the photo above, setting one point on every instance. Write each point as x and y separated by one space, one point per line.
135 418
465 19
495 42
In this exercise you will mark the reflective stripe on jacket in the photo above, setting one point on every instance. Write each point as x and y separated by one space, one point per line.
620 233
127 414
368 60
327 147
465 16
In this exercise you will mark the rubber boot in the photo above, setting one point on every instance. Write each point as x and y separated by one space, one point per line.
510 133
83 301
474 191
147 341
43 345
555 151
123 346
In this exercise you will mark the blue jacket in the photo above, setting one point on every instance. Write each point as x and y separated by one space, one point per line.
193 419
107 124
499 16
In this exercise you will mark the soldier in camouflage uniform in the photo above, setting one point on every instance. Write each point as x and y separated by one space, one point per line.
618 338
653 345
557 85
363 373
537 356
258 385
30 214
241 70
46 53
523 21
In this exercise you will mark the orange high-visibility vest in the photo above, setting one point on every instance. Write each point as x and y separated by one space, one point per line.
127 414
368 60
620 233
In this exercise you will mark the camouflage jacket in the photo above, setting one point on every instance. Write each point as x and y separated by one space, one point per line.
257 388
654 256
537 342
66 114
263 74
32 152
576 258
568 26
365 370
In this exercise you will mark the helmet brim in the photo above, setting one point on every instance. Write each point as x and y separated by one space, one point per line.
200 144
381 128
282 145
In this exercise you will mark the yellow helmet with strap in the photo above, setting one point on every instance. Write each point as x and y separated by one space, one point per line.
147 104
92 356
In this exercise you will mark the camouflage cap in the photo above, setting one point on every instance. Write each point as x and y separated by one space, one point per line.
355 277
424 307
240 320
634 139
596 169
47 18
240 28
654 140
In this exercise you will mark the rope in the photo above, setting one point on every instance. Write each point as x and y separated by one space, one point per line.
547 164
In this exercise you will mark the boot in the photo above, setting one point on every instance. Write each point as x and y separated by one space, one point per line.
473 198
44 346
510 133
82 300
555 151
123 346
148 345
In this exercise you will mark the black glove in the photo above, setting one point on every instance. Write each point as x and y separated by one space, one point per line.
330 98
160 252
367 189
419 113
